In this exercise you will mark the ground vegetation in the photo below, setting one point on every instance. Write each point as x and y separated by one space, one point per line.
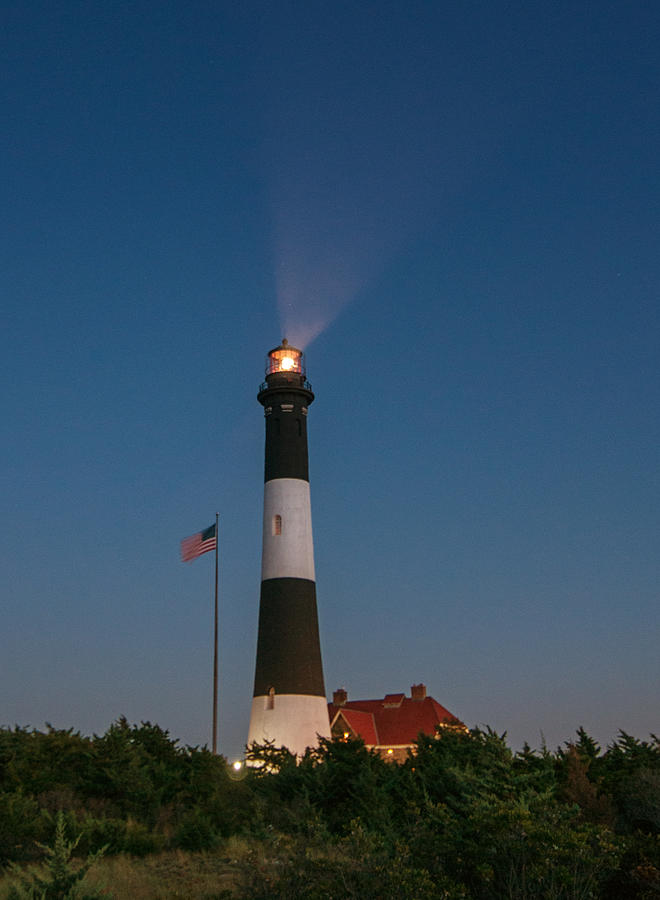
132 813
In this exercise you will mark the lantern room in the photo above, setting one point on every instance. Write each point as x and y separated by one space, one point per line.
285 360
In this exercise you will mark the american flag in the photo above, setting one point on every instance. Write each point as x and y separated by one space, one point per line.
196 544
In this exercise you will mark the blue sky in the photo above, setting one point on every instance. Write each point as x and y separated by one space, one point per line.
455 209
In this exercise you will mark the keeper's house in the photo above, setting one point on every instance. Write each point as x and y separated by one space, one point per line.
391 725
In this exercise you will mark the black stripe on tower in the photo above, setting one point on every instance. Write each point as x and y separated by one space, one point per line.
285 406
288 647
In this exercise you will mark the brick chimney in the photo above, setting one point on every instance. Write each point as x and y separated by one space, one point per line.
418 691
340 697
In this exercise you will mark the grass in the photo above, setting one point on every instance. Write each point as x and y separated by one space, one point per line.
168 875
165 876
273 866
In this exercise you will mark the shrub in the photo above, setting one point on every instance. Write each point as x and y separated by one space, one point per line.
62 881
195 832
21 824
97 833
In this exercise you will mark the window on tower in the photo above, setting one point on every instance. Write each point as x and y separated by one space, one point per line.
277 524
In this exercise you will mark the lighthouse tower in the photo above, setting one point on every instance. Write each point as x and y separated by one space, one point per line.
289 705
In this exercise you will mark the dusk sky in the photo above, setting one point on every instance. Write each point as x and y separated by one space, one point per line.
455 210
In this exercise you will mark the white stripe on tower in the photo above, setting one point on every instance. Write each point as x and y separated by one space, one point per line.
288 549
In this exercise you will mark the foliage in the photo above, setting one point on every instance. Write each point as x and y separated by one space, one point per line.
196 832
63 879
360 864
339 781
22 822
463 817
579 789
631 774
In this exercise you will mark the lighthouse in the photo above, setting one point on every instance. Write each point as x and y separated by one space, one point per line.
289 705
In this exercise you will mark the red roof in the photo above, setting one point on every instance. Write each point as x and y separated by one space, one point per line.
393 721
361 723
393 699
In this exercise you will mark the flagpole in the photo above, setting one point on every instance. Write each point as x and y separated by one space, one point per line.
215 647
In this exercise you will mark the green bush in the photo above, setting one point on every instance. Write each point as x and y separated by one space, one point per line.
464 812
62 880
139 840
22 823
118 836
97 833
359 865
195 832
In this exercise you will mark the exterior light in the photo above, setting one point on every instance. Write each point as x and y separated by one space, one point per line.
390 750
285 359
237 771
346 735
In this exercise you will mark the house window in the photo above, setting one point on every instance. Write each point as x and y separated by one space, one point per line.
277 524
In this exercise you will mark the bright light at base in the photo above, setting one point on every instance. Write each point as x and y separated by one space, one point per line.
238 765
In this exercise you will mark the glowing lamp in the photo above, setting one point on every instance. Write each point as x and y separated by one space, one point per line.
285 359
238 765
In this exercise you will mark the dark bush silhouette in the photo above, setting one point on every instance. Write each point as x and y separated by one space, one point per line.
464 817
